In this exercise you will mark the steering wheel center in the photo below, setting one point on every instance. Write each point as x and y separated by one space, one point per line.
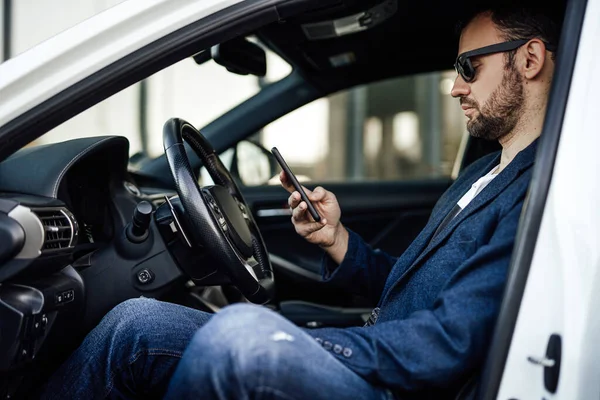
230 218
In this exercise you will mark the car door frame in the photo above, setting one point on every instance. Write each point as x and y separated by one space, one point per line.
33 100
534 211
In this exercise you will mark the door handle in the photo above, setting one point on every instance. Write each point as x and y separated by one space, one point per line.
551 362
545 362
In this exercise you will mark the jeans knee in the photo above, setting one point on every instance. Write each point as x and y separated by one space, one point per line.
246 338
131 310
132 307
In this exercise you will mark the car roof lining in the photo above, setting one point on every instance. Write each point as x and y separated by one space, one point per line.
421 36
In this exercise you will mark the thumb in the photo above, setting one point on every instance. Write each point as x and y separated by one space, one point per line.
312 227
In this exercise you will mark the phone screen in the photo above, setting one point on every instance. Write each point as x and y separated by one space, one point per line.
297 186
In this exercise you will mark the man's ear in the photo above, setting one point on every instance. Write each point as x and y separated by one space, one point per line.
534 52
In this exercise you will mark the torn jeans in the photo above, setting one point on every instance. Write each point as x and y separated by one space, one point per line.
145 348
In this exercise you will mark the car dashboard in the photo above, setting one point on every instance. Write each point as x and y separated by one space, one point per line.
84 192
59 204
69 253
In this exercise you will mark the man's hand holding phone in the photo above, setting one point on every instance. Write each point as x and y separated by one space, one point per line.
329 232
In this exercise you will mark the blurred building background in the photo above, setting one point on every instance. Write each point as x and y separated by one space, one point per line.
406 128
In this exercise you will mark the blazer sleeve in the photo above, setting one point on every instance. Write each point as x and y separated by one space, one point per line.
434 348
363 270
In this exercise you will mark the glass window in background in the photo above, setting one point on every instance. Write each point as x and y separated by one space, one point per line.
407 128
196 93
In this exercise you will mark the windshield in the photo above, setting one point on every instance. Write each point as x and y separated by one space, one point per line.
197 93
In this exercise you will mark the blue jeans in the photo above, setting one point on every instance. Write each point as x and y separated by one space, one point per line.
145 348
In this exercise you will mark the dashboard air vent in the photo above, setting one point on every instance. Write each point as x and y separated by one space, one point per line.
60 228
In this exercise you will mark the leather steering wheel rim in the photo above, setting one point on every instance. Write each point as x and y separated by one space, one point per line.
212 213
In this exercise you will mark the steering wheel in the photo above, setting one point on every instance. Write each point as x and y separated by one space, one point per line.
218 216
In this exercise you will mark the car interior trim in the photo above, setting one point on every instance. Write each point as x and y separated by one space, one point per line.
273 212
68 216
34 231
74 160
177 225
281 262
351 24
15 172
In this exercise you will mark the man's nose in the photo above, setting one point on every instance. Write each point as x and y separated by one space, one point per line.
460 87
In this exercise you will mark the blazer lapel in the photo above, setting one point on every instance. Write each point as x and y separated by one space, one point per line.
454 194
522 161
489 193
422 243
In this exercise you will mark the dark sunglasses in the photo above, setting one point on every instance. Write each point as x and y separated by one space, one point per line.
463 64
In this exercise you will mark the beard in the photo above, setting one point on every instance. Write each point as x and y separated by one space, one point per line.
501 112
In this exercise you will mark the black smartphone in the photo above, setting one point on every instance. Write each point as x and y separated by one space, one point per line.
292 177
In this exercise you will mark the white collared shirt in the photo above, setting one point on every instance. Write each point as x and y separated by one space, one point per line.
477 187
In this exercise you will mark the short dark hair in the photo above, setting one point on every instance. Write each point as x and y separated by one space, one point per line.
521 22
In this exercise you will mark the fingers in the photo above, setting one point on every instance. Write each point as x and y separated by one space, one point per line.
295 197
294 200
310 227
286 182
283 179
318 194
288 185
299 212
302 221
303 226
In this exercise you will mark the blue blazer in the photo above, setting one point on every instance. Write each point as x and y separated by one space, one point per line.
440 299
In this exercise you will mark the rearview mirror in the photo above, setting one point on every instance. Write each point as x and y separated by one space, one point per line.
240 56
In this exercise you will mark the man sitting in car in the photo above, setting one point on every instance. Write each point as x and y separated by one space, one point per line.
437 303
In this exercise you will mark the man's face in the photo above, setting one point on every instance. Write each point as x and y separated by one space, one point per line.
493 102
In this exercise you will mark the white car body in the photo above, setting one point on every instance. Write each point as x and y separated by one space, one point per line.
563 288
562 294
65 59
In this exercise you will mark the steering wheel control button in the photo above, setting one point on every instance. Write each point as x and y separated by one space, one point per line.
347 352
145 276
237 227
243 210
213 204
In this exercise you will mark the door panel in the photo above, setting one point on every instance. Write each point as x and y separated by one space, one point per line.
554 284
388 215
